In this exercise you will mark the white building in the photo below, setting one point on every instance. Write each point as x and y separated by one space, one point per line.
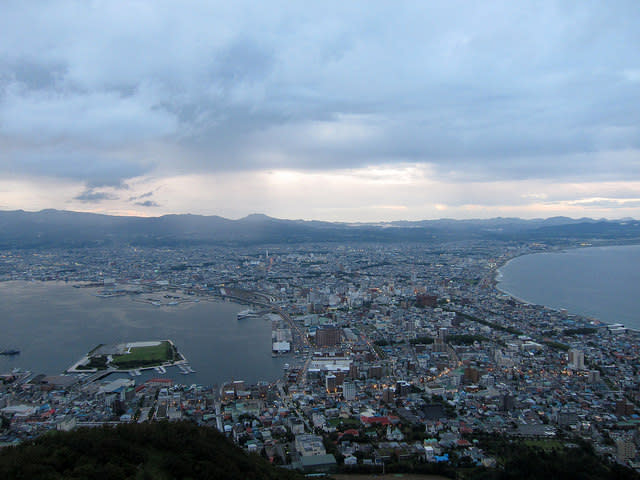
349 391
309 445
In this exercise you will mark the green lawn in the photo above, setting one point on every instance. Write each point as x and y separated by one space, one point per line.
145 356
344 423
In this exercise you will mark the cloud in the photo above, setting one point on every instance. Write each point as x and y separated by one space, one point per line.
93 167
104 119
148 203
99 95
142 195
608 202
90 195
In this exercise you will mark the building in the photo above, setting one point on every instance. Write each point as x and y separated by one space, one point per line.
327 336
625 449
387 395
424 300
307 445
624 408
508 403
67 424
317 464
576 359
403 388
471 375
297 425
330 383
349 391
281 347
440 344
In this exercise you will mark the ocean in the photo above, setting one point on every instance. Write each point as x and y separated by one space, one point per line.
597 282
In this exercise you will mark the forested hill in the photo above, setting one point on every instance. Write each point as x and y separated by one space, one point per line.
145 451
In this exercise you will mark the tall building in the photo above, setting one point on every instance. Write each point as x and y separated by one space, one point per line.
440 344
387 395
576 359
403 388
471 375
330 382
508 403
349 391
327 336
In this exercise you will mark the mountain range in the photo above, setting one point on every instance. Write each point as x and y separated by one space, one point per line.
59 228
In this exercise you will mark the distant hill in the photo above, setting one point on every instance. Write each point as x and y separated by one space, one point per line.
59 229
144 451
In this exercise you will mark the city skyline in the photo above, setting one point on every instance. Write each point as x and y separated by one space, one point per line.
338 112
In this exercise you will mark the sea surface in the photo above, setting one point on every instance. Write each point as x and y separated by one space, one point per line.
598 282
54 325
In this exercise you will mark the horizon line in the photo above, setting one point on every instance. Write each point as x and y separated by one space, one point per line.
374 222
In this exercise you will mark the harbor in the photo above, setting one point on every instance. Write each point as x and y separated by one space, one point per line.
208 334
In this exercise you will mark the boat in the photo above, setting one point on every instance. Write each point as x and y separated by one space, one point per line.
10 352
248 313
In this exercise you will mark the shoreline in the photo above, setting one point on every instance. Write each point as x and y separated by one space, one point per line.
497 274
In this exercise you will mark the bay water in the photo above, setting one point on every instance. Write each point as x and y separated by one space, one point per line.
597 282
54 325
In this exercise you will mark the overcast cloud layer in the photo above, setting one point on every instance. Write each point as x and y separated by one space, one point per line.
336 111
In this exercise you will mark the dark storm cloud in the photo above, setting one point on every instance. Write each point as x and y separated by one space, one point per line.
494 90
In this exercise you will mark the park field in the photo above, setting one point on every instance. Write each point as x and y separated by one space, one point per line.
129 356
143 355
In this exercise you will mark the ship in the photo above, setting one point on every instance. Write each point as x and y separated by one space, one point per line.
248 313
10 352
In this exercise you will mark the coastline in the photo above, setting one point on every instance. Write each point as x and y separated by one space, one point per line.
498 275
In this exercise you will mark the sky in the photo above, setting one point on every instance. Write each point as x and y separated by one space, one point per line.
339 111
